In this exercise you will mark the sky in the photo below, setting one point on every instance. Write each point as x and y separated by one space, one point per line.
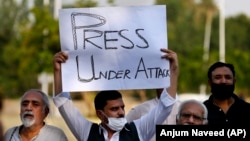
235 7
231 7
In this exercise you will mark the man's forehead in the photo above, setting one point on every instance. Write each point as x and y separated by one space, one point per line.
192 106
32 96
116 102
222 70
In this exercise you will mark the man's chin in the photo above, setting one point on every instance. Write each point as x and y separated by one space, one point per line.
28 122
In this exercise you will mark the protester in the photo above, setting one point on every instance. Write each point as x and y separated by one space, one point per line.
109 108
191 112
224 106
34 109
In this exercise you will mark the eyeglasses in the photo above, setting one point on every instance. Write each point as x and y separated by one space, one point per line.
195 117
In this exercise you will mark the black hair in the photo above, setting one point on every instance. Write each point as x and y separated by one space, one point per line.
218 65
103 96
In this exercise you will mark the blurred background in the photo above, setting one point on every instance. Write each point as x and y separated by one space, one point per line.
200 31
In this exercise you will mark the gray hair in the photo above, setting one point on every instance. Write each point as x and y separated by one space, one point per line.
193 101
44 95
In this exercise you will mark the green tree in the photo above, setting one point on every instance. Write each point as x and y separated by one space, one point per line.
31 52
11 20
186 36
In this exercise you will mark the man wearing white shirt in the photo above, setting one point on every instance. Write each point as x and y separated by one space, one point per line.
109 108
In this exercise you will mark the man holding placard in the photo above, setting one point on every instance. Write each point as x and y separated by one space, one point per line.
110 109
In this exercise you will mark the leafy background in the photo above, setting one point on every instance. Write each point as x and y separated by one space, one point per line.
29 37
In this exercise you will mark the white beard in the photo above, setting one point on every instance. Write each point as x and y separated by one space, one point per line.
27 122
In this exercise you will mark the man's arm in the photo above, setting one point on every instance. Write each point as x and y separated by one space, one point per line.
167 99
59 58
78 124
174 71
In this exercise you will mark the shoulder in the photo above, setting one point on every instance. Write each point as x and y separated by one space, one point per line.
130 126
12 129
244 103
209 101
10 132
241 101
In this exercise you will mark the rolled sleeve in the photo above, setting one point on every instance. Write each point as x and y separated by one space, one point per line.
166 99
61 98
146 124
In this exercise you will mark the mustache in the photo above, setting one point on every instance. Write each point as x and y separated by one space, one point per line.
27 113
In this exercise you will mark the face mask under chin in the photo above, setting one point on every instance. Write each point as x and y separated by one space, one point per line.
222 91
115 124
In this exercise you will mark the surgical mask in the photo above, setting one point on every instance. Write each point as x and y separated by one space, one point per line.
222 91
116 124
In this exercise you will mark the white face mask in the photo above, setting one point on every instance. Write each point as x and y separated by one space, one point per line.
116 124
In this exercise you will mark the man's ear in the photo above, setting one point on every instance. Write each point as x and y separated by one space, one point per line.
177 119
209 82
99 114
205 122
46 111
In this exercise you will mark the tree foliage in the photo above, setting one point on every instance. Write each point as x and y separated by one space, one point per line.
30 51
30 37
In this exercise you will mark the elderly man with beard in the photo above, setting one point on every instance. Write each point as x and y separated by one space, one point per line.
224 106
34 110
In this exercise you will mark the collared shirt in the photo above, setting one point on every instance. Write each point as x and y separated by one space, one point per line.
237 114
47 133
80 126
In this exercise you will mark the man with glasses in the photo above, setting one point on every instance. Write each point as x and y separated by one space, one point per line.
191 112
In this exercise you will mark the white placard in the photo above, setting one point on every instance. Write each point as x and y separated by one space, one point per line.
114 48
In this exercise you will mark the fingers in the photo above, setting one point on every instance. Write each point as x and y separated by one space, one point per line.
172 57
60 57
169 54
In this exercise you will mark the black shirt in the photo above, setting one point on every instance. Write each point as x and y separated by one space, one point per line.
238 114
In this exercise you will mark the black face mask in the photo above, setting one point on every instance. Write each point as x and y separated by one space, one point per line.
222 91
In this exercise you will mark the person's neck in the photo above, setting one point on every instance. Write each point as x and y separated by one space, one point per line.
224 104
109 131
27 133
